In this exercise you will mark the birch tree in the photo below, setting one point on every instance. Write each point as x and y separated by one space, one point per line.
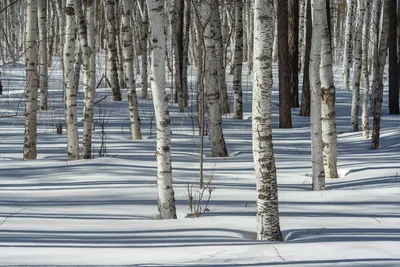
87 42
348 47
143 42
128 67
69 78
166 199
268 227
306 97
112 53
328 113
293 40
318 174
32 80
42 15
238 61
212 92
393 60
378 75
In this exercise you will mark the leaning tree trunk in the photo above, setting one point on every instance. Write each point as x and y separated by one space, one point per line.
285 116
112 53
42 14
69 78
315 82
238 62
128 67
378 75
328 114
268 227
87 40
348 47
32 80
166 199
212 93
355 104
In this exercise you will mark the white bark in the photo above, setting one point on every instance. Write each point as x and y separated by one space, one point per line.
238 61
365 70
42 15
355 104
275 47
112 53
32 80
166 200
328 114
69 78
302 27
268 227
348 47
128 67
315 88
212 93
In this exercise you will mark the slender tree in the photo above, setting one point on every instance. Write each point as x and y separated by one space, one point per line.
393 69
238 61
42 15
32 80
128 62
285 117
268 227
293 39
348 47
166 199
306 97
112 53
318 9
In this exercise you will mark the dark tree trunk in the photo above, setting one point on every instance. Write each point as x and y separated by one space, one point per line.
393 69
306 96
294 51
285 120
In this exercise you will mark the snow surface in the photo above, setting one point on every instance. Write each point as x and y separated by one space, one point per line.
104 211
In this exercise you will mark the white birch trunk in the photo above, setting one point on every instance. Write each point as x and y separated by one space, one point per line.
268 227
348 46
328 114
302 25
166 199
128 67
275 47
365 69
238 61
112 53
315 87
355 104
212 93
32 80
69 78
42 15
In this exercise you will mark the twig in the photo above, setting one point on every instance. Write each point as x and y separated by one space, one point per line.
12 214
277 252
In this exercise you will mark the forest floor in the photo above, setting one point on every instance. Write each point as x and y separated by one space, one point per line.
104 211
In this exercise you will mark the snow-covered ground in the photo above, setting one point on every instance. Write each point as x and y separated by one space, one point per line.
104 211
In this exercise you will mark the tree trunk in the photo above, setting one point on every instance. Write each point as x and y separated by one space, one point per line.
32 80
306 97
128 67
316 96
293 38
285 117
42 15
378 75
166 199
87 41
238 57
112 53
393 70
212 92
268 227
71 123
144 40
348 47
377 8
328 114
365 49
355 104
